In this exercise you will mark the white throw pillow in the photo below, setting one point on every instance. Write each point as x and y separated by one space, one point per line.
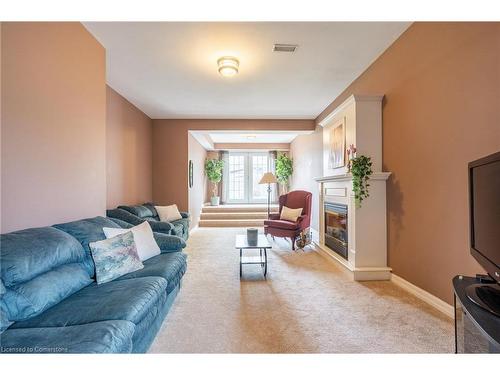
290 214
168 213
143 237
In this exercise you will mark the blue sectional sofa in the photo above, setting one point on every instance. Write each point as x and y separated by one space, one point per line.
147 212
50 302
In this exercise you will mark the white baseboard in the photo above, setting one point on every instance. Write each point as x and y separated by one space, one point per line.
314 235
421 294
425 296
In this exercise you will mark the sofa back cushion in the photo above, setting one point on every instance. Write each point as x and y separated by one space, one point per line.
30 252
86 231
40 267
139 210
152 208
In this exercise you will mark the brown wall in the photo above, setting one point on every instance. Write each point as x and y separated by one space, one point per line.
53 124
129 137
198 192
441 110
307 154
170 151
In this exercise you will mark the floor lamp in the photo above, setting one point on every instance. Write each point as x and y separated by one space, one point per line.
268 179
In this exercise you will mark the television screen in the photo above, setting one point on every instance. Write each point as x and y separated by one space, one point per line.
485 211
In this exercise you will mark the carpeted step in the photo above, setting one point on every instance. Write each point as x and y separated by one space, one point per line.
233 215
232 223
238 208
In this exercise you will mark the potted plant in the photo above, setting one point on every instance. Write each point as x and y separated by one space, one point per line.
213 169
284 169
361 169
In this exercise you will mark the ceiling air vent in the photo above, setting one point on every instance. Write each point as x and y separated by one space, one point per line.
285 47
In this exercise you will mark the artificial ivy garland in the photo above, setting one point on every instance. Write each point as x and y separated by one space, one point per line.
361 169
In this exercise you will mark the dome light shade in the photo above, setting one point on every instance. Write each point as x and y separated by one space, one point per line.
228 66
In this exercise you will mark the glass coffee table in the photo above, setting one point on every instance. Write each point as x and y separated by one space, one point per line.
262 245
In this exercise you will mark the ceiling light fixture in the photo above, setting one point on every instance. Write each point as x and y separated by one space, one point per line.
228 66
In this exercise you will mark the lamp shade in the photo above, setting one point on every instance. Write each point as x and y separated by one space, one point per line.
268 178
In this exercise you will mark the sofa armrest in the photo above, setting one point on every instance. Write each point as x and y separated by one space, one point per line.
161 226
274 216
185 215
169 243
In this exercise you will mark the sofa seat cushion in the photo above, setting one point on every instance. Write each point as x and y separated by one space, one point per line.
282 224
170 266
112 336
129 299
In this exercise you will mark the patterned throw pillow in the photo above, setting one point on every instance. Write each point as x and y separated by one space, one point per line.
115 257
143 236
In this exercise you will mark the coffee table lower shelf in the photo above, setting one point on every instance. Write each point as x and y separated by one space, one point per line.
258 259
262 244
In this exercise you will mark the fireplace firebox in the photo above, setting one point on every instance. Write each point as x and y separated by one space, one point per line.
336 227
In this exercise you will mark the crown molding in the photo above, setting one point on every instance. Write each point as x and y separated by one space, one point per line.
350 100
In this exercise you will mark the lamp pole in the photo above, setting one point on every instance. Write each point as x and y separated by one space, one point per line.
268 178
268 200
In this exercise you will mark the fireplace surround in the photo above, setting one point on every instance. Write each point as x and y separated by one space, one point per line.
355 237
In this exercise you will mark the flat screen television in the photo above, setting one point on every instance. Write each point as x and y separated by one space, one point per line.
484 203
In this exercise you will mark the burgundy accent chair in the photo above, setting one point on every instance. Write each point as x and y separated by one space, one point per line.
284 228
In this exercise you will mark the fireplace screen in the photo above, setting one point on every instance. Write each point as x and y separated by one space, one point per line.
336 228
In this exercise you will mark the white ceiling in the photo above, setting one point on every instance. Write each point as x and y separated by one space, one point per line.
208 138
169 69
249 137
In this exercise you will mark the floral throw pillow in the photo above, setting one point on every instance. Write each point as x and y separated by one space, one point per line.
115 257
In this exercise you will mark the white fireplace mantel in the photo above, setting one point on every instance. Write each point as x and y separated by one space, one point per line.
366 225
348 176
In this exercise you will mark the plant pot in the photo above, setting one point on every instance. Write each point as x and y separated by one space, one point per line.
215 201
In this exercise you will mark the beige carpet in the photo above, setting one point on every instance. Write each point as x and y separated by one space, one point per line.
307 305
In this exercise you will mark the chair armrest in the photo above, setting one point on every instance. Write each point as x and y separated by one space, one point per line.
185 215
169 243
304 221
274 216
161 226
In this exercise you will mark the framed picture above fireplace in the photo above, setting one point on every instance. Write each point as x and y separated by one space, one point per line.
336 155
